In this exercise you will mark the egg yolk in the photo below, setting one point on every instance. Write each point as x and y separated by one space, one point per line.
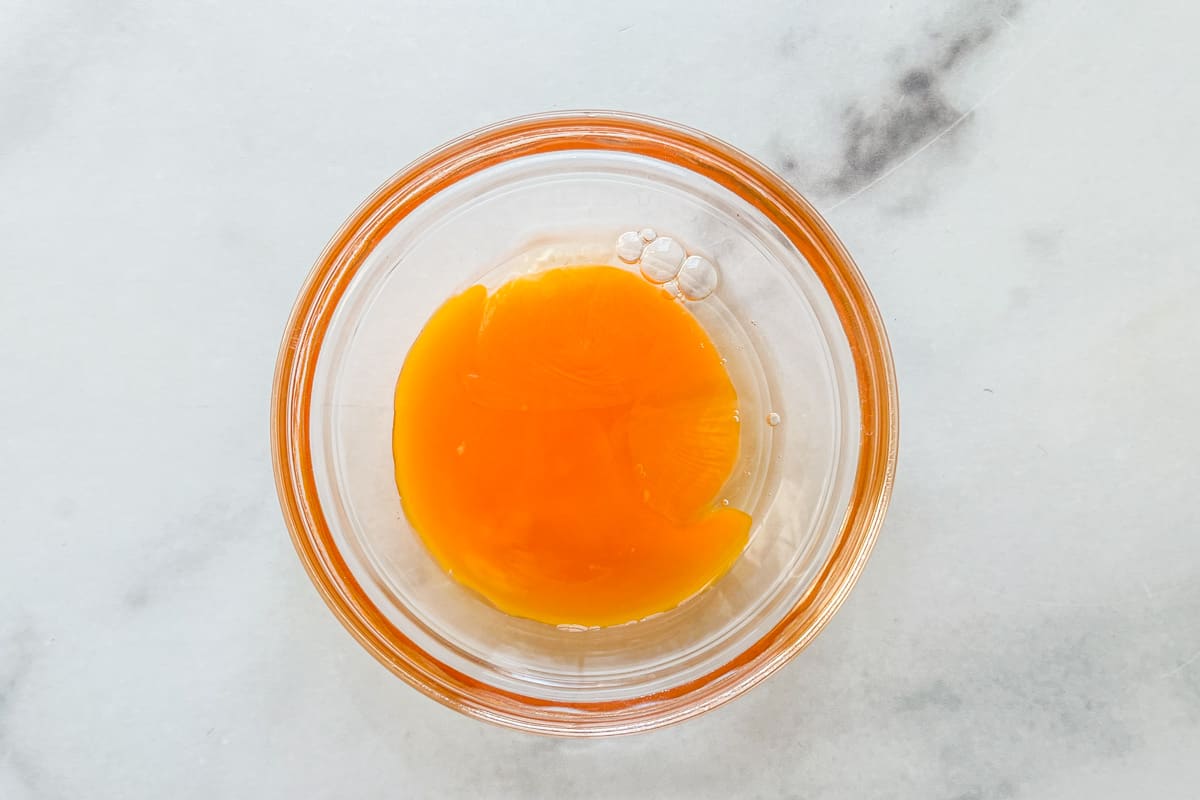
560 445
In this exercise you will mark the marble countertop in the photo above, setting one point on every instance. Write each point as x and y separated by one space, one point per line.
1018 181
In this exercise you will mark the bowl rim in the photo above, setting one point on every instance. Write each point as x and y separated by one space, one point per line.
532 135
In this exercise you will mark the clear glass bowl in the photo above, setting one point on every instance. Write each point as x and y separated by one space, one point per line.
803 340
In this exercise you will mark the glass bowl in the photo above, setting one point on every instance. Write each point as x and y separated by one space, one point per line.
805 347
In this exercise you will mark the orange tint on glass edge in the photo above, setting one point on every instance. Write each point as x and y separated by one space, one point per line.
560 446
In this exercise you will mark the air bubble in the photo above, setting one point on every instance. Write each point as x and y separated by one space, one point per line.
697 278
661 259
773 419
629 247
737 417
725 502
647 235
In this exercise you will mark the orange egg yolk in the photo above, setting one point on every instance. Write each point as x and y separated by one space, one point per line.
561 443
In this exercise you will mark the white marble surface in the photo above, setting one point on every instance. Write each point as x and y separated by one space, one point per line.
1018 181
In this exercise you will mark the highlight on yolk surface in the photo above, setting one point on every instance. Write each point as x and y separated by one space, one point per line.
560 445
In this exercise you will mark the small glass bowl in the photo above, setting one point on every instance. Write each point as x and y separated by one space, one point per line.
805 346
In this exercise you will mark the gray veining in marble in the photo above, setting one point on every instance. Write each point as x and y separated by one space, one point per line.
1017 182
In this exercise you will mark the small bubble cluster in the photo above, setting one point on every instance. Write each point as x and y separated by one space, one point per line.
663 260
